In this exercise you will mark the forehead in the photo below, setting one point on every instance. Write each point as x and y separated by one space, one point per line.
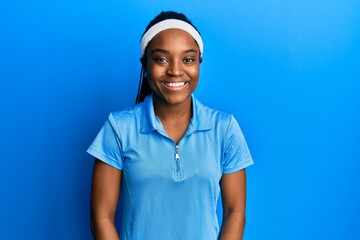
173 38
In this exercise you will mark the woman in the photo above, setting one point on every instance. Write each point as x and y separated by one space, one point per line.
170 155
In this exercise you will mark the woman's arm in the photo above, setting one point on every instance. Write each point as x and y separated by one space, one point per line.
105 192
233 193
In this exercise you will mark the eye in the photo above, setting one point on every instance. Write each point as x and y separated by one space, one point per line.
160 59
189 60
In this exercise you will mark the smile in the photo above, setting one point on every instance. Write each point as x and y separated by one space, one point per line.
175 84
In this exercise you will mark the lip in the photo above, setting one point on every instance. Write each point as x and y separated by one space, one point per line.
175 86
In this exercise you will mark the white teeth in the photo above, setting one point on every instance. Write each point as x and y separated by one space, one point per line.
177 84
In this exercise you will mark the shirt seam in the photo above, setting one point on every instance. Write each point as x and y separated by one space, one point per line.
117 134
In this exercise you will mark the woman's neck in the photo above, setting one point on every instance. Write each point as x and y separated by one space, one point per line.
174 118
167 112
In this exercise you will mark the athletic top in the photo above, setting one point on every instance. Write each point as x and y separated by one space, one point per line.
169 190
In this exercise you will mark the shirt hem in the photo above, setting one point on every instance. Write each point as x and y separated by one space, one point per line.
104 158
239 167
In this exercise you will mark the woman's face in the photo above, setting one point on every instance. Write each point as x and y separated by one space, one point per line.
172 63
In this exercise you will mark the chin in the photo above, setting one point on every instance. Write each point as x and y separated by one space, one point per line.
175 100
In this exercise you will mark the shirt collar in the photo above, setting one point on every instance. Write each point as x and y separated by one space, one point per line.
149 122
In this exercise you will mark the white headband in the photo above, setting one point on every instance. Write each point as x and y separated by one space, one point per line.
170 24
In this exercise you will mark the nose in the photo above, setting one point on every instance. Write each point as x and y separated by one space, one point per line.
175 68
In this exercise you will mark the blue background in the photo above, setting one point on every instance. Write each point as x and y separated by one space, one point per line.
288 70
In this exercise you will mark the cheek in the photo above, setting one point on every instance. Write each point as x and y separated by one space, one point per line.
152 84
194 72
155 73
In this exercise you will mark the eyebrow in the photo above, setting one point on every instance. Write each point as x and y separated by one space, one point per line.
159 50
191 50
165 51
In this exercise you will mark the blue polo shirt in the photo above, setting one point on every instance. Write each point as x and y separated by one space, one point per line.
170 191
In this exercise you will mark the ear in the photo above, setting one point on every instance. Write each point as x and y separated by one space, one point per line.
143 62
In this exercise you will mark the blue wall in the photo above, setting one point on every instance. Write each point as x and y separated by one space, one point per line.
288 70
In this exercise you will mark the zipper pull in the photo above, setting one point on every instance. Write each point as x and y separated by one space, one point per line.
177 156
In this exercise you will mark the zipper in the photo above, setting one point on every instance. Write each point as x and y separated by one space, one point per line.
177 158
178 170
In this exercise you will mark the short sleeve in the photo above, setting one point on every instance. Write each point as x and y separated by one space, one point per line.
236 153
107 145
